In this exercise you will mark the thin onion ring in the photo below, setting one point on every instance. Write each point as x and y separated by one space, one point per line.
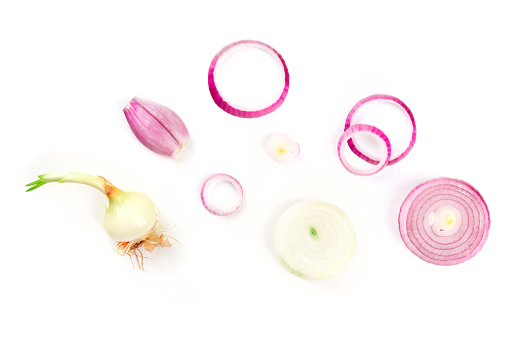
224 105
348 134
207 186
417 219
351 143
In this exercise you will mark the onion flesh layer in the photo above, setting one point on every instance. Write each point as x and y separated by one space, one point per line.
208 185
314 239
348 135
444 221
392 99
223 103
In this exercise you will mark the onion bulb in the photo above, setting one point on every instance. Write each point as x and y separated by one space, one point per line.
314 239
131 217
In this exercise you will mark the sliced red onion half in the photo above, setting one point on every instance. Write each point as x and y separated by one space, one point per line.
223 103
348 134
211 206
394 157
444 221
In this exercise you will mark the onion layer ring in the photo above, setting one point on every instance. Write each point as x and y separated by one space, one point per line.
348 134
444 221
394 158
208 185
224 105
314 239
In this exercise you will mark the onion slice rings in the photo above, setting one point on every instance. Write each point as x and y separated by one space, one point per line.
209 184
444 221
314 239
394 157
347 136
228 108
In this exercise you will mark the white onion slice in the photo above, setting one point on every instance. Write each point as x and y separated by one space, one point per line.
222 102
444 221
314 239
395 157
281 148
210 206
348 134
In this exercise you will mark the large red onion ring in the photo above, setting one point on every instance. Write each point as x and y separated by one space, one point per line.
444 221
347 136
224 105
395 157
209 184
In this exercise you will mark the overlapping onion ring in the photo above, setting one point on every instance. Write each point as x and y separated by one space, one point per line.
444 221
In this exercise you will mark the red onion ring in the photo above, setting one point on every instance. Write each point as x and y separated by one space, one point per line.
224 105
208 185
347 136
459 236
394 158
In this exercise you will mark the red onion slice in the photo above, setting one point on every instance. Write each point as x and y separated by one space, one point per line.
395 157
444 221
228 108
347 136
207 186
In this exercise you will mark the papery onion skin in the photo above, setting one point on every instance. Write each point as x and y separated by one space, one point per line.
347 135
224 105
416 225
400 104
207 185
314 239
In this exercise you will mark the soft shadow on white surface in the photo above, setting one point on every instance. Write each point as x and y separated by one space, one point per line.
68 71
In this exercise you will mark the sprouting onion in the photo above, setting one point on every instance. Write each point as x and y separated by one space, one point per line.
314 239
213 207
131 217
444 221
394 158
223 102
348 134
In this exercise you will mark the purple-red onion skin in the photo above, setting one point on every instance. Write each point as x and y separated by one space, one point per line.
224 105
156 126
417 228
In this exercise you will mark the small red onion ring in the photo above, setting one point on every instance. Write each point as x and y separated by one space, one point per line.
394 158
208 185
467 221
224 105
348 134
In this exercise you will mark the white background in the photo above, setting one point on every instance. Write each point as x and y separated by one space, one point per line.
68 69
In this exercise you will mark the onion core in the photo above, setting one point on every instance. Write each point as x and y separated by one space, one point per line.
444 221
222 102
208 185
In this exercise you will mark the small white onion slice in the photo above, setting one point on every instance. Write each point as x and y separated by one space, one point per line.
314 239
348 134
223 103
281 148
208 185
395 157
444 221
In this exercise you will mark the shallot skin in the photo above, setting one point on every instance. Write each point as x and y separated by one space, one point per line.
156 126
